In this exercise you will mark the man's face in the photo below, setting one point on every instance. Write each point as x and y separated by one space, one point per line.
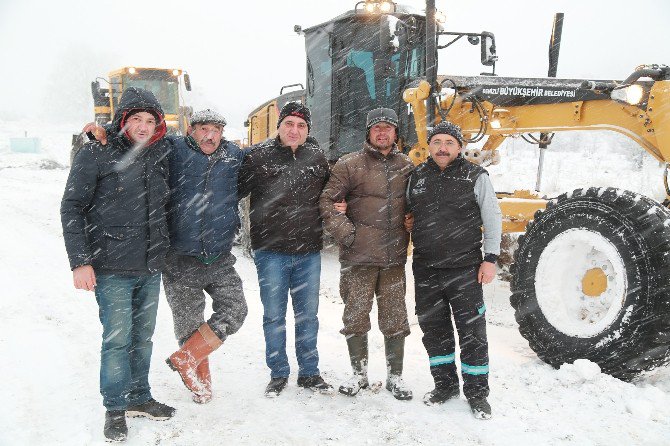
141 126
443 149
382 136
293 131
208 136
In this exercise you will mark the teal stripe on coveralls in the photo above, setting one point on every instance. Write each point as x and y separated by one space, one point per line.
439 360
474 369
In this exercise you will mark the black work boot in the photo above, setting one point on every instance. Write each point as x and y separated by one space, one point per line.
358 355
395 353
275 387
440 395
115 426
151 409
315 383
481 408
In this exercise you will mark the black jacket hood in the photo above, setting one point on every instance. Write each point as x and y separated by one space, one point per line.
134 98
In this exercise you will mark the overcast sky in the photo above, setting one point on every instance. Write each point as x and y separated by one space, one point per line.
240 53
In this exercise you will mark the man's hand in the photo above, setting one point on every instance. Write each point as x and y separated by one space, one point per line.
97 131
409 222
487 272
341 207
84 278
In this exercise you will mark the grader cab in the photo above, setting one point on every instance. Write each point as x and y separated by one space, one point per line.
591 276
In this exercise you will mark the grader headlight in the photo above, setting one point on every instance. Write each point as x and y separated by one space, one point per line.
376 6
131 70
631 94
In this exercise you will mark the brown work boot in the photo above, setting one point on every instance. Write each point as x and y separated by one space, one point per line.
206 379
187 359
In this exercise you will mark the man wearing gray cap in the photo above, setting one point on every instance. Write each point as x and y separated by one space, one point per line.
203 220
363 207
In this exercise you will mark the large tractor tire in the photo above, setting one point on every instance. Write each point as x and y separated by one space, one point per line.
591 279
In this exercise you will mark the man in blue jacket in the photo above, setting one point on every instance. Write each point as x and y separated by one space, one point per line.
203 220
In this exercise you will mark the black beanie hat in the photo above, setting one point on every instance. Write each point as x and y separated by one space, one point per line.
447 128
296 109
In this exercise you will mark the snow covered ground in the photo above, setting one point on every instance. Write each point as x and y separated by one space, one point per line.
50 336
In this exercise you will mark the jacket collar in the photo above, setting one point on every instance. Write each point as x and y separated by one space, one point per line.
278 145
430 162
367 148
218 153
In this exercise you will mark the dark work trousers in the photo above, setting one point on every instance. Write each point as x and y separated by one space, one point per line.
186 280
441 293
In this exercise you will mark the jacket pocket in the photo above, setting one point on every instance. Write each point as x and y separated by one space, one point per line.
125 248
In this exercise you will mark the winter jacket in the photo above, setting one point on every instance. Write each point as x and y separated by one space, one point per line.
113 208
284 188
373 185
447 218
203 216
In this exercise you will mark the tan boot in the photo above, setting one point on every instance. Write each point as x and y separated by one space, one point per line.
187 359
206 379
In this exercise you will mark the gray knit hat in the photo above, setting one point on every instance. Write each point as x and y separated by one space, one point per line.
381 115
208 116
447 128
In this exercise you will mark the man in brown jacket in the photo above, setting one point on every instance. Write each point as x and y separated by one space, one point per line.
363 207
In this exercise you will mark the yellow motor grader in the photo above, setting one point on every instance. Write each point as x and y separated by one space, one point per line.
591 275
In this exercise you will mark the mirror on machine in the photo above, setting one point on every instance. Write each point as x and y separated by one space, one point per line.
488 46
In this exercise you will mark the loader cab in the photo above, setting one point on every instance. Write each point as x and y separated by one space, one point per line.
162 82
359 61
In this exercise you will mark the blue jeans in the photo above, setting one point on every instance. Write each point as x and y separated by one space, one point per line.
127 309
279 273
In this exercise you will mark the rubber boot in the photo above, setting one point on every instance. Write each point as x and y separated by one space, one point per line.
202 372
358 355
186 360
395 353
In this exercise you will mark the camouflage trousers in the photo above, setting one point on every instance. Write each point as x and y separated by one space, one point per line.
186 280
358 286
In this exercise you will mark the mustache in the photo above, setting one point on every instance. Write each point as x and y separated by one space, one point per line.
442 153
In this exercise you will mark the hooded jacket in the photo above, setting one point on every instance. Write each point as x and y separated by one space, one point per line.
284 188
373 185
113 208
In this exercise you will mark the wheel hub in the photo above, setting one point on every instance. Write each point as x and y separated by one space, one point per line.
594 282
580 282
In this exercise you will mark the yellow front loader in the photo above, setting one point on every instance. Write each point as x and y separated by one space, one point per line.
166 84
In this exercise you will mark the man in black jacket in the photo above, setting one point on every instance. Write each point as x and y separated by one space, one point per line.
116 237
451 199
284 177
